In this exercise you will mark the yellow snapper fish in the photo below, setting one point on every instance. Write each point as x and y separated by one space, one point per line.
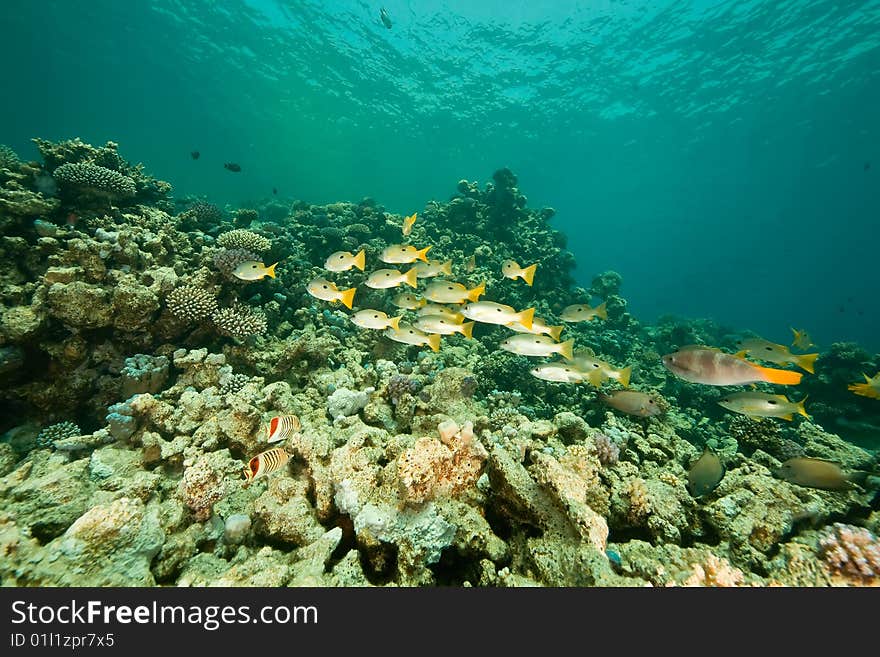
560 373
443 325
632 402
774 353
433 268
383 279
410 335
581 312
761 404
526 344
325 290
511 269
870 388
344 260
802 339
489 312
408 223
449 292
402 254
586 361
471 263
442 311
408 301
252 270
539 327
374 319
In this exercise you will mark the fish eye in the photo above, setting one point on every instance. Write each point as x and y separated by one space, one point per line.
650 401
324 286
376 316
342 257
771 401
253 266
768 348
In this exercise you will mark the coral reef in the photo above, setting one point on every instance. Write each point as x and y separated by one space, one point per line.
138 377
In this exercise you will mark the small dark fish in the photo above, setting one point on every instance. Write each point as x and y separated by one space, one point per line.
386 20
232 166
275 190
867 166
705 474
813 473
195 155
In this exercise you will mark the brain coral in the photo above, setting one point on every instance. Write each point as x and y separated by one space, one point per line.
243 239
95 179
191 303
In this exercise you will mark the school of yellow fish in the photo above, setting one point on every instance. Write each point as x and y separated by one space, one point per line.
442 307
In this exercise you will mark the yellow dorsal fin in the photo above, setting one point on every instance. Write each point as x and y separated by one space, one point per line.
474 293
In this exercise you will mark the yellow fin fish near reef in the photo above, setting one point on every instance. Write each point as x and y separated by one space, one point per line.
511 269
410 335
254 271
762 404
325 290
444 325
870 388
449 292
374 319
408 223
403 254
489 312
526 344
581 312
433 268
344 260
711 367
539 327
408 301
383 279
802 339
775 353
562 373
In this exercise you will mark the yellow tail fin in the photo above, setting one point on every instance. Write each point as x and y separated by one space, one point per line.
802 410
624 374
595 378
474 294
270 270
782 377
555 331
467 330
864 389
434 341
529 273
422 254
408 223
411 278
395 322
601 313
347 297
806 361
565 349
360 260
446 268
525 318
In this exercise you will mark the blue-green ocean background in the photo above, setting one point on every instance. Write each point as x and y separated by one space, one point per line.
723 156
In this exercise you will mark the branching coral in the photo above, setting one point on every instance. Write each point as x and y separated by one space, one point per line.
96 180
8 157
243 239
191 303
226 260
239 321
639 501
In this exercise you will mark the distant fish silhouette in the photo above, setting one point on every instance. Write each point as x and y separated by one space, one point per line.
232 166
386 20
867 165
195 155
275 190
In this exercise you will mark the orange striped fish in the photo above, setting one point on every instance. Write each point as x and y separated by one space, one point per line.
282 427
709 366
265 463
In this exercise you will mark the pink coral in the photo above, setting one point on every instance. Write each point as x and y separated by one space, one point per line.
851 552
714 571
